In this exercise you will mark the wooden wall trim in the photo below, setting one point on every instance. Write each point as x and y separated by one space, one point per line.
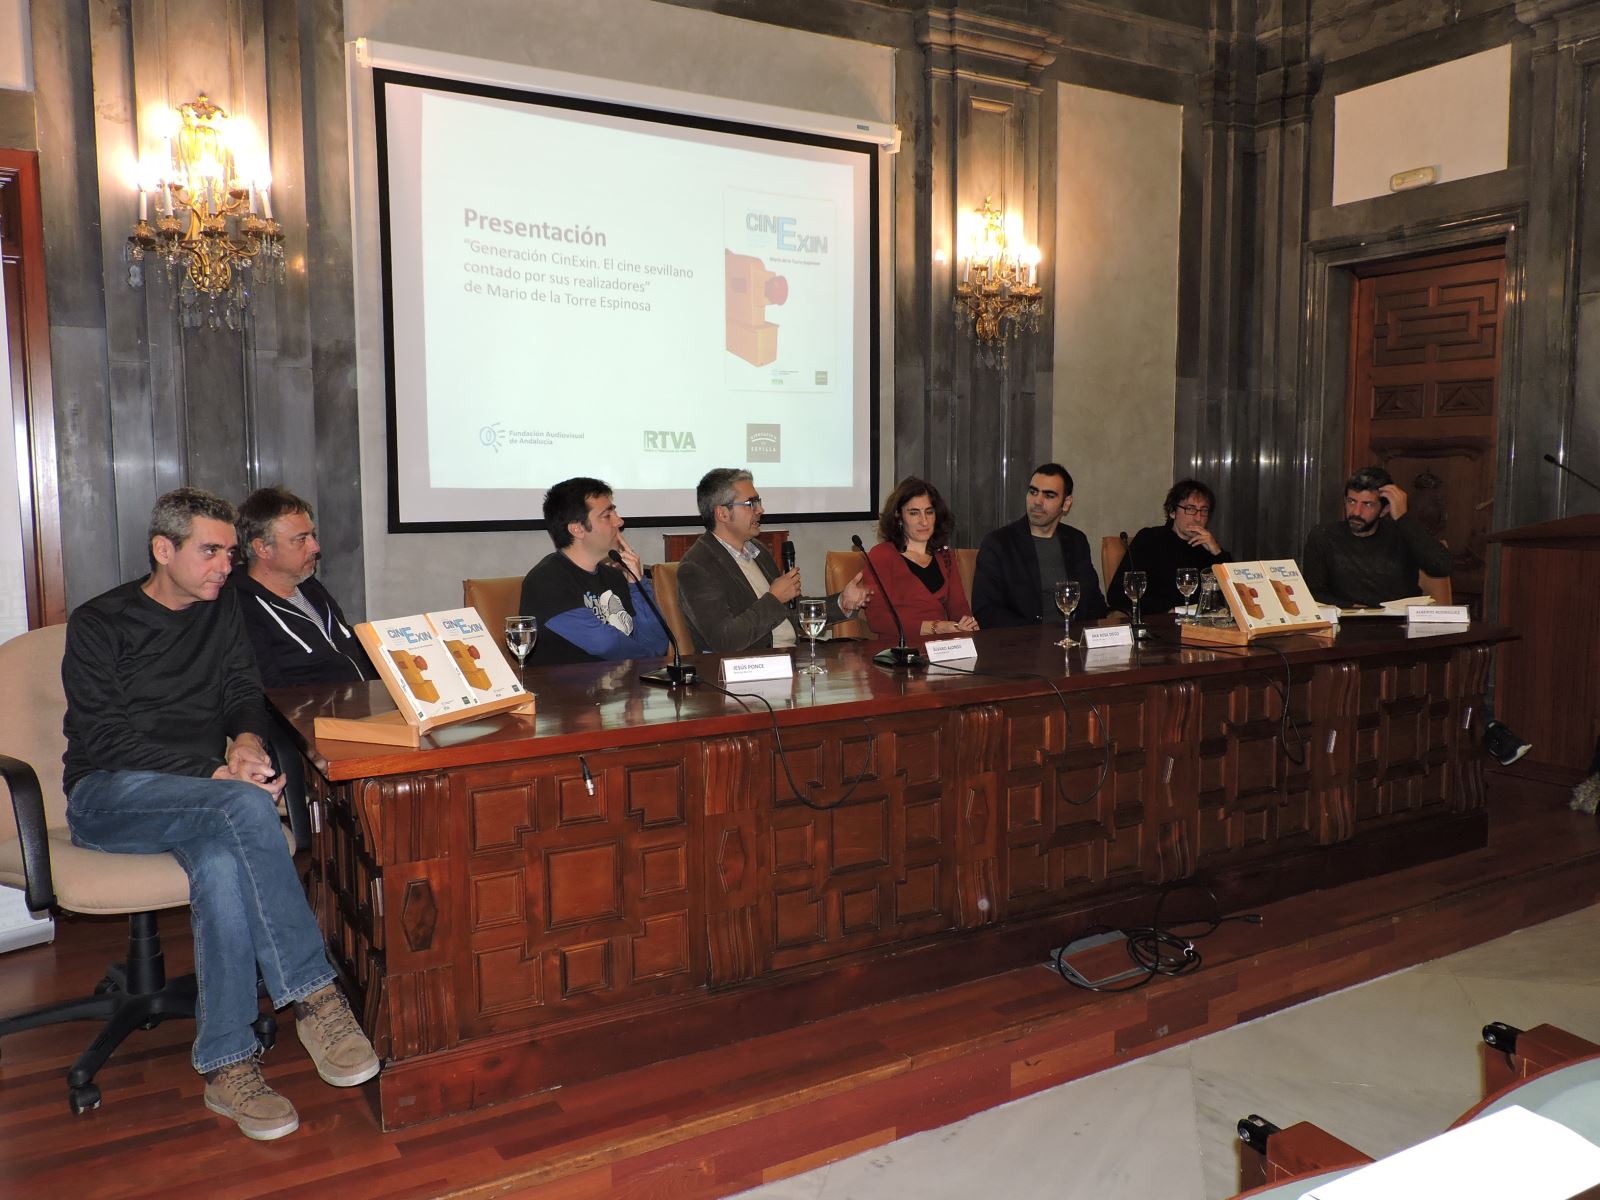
32 392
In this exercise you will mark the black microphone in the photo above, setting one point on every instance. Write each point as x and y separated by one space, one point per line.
788 565
1561 466
677 673
894 657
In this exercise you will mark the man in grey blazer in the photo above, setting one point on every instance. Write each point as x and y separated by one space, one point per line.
732 592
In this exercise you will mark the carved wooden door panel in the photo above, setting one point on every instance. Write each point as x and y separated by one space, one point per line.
575 901
1425 349
1255 772
1062 828
874 863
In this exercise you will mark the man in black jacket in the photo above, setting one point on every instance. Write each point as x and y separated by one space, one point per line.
1020 564
298 630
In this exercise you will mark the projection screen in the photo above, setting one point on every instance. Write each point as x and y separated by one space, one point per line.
578 287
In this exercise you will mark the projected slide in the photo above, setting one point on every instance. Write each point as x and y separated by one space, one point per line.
586 292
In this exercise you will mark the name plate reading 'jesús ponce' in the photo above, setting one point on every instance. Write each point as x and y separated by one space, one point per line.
1438 614
949 650
1104 637
757 666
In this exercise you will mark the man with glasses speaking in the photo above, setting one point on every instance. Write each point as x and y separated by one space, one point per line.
732 592
1184 541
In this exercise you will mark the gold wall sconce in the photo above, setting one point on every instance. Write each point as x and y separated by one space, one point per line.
997 284
213 233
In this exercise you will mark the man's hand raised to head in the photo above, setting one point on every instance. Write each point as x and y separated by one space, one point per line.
630 560
1396 498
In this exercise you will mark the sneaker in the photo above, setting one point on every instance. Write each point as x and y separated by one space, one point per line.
238 1092
328 1030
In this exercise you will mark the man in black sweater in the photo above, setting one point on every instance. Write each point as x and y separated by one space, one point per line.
1019 564
1159 550
1375 553
166 752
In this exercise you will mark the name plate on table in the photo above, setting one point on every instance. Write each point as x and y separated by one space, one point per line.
949 650
757 666
1438 614
1104 637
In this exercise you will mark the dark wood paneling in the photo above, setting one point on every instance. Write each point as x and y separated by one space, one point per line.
511 922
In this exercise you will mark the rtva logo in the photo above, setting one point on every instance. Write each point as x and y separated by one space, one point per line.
668 441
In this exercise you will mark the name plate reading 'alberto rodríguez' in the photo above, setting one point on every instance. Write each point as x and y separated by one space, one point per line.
1438 614
945 650
1104 637
757 666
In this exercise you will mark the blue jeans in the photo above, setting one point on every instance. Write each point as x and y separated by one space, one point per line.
246 905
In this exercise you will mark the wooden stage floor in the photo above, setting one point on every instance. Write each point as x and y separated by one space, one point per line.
718 1122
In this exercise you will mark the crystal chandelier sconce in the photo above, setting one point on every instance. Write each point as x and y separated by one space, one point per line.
997 289
213 230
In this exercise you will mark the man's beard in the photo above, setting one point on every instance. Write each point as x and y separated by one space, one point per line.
1359 527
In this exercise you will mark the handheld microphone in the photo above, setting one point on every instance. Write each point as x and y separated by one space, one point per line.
1561 466
788 565
895 657
677 673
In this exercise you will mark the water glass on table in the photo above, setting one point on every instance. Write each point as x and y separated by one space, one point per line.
521 633
813 615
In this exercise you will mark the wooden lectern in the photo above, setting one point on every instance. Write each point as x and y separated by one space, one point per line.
1548 683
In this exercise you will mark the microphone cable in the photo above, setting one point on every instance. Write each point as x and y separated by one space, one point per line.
1287 725
783 756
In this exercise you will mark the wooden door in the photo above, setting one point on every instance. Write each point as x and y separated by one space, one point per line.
1425 349
26 342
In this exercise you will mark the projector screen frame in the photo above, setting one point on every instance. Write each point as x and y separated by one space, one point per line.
530 95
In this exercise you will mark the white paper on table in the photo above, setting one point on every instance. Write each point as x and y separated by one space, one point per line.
1511 1153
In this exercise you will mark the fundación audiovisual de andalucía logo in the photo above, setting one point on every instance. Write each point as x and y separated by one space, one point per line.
763 443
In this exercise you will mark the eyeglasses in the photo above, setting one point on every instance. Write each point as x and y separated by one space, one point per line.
753 503
1195 510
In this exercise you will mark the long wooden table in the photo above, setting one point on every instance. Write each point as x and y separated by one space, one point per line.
633 875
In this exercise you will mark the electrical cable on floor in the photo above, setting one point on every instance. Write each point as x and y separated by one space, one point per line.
1154 950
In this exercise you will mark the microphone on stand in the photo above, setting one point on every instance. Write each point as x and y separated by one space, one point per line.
788 565
895 657
676 673
1561 466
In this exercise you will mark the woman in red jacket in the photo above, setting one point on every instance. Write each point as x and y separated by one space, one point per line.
915 564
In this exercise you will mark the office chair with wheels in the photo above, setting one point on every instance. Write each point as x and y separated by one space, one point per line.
37 856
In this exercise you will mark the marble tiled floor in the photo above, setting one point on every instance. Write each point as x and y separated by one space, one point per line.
1381 1065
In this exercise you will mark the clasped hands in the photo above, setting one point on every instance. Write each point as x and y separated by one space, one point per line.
249 761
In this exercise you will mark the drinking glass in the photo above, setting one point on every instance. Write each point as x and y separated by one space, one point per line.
1133 583
521 633
1188 583
813 614
1068 592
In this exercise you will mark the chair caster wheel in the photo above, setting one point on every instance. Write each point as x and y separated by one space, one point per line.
82 1099
266 1031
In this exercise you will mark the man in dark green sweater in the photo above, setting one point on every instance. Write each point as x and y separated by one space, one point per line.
1376 552
166 752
